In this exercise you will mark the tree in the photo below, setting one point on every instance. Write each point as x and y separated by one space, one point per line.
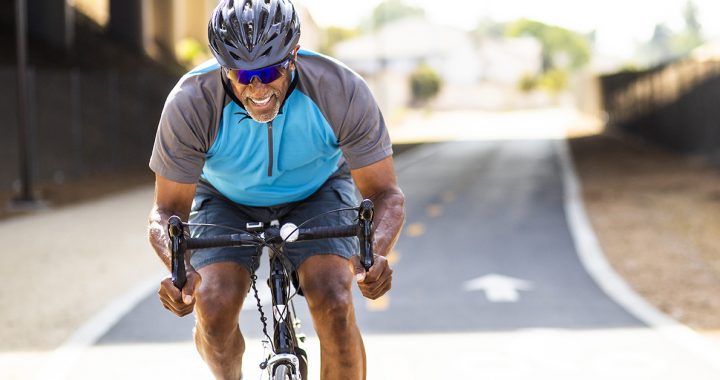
563 51
333 35
487 28
558 44
425 84
666 44
691 37
392 10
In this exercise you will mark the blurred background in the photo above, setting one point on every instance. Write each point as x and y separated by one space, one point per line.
632 86
98 71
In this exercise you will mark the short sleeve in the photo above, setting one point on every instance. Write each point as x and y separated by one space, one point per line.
183 138
363 135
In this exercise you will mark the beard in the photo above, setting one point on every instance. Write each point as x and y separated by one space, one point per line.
266 113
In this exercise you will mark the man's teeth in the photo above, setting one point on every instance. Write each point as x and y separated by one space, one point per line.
261 102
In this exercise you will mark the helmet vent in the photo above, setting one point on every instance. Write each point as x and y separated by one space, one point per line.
264 19
266 52
278 15
288 36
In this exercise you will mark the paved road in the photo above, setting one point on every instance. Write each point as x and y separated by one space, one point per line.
488 286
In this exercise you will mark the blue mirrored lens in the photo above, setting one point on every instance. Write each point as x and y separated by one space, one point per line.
265 75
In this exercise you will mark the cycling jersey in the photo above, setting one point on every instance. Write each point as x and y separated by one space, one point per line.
328 117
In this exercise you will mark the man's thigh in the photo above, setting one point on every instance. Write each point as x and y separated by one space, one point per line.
326 279
222 291
336 194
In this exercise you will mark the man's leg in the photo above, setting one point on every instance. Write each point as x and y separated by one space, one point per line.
326 281
217 333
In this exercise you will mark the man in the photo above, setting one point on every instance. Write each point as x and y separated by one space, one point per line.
267 131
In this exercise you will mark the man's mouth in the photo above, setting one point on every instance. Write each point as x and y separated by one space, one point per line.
261 102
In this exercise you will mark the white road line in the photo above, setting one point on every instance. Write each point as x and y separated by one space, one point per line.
64 357
593 259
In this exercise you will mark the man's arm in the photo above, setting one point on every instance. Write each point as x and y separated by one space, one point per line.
172 198
379 183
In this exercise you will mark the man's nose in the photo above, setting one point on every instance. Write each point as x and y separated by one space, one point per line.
256 84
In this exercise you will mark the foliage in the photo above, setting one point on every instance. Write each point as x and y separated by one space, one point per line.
333 35
392 10
553 81
488 29
425 84
190 52
558 44
563 51
667 45
528 82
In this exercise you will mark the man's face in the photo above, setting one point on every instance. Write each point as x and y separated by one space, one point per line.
262 101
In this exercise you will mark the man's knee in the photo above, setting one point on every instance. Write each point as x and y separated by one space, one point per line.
218 306
332 303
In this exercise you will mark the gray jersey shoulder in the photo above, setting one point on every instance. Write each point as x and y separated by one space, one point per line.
192 116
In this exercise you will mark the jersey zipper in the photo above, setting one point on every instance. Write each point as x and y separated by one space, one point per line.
270 149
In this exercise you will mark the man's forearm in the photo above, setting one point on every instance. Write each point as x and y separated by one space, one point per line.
157 235
389 219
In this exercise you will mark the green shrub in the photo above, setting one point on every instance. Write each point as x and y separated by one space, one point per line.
425 84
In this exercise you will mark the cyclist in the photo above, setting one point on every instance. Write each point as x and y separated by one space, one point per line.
267 131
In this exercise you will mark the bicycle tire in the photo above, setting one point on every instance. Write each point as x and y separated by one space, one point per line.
282 372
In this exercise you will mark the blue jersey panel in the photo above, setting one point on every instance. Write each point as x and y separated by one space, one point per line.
305 154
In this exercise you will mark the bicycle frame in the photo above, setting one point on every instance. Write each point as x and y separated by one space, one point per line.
286 350
284 359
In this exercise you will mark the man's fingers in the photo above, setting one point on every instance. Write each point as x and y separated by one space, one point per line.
188 291
357 268
172 298
377 270
168 288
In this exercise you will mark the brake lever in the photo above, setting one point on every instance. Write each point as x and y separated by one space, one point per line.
366 213
177 249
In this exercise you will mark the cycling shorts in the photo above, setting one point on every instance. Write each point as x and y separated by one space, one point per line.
212 208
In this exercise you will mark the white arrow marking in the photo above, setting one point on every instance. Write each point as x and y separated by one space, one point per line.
498 288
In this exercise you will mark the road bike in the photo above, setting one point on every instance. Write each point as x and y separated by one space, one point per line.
287 359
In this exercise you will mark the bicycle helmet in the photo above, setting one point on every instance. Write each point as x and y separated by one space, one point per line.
251 34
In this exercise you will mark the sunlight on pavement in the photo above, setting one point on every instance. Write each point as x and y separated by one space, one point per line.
19 365
544 123
617 354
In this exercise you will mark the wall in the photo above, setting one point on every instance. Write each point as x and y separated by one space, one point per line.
676 105
83 122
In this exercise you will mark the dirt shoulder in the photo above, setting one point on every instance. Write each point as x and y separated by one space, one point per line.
656 215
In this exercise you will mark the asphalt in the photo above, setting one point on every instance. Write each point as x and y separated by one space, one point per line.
476 211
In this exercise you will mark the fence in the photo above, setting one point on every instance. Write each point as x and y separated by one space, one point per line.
82 122
676 105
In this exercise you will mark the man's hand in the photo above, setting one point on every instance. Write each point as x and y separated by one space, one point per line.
376 281
181 303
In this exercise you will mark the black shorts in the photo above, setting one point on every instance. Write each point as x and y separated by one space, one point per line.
211 208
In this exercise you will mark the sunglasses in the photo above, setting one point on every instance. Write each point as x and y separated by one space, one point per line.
265 75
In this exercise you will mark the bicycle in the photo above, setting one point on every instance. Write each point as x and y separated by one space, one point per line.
286 360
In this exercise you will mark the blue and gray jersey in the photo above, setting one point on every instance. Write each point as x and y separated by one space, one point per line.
328 117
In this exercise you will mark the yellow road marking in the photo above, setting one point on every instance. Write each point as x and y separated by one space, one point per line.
393 257
380 304
434 211
449 196
415 229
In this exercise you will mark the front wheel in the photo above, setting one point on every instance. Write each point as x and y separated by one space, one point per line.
283 372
